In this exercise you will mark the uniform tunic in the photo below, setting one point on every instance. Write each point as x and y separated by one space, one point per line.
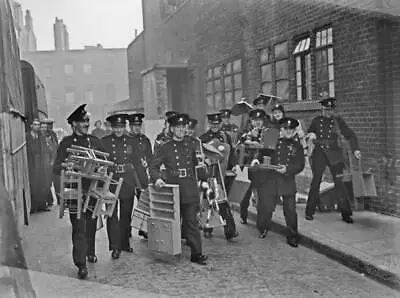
83 229
328 152
289 153
179 159
142 148
160 140
121 153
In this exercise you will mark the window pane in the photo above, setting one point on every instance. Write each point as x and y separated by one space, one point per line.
321 58
318 39
298 63
324 38
237 65
238 95
266 73
228 68
217 71
228 100
282 69
228 83
218 101
331 89
330 36
210 74
210 103
267 88
299 95
209 88
265 55
330 55
322 74
282 89
308 77
217 85
238 81
298 78
330 73
281 51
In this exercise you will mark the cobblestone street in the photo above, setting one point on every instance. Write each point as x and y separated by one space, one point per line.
247 267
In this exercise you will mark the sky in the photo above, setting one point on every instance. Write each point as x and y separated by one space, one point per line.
111 23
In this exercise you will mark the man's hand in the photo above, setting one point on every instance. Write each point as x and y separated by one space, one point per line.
357 154
160 183
282 169
236 169
144 162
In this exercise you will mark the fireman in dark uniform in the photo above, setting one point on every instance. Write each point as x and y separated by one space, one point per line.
121 150
143 151
83 229
165 135
227 126
290 156
252 140
215 132
325 131
179 159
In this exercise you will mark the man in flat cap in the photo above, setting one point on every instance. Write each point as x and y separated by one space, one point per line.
179 159
142 148
120 147
83 228
165 135
325 131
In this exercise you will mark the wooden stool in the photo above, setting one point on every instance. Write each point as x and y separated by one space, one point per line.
70 193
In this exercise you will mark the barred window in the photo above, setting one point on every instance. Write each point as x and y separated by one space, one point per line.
303 69
324 63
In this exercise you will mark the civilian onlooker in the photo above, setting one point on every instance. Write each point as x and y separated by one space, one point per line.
98 131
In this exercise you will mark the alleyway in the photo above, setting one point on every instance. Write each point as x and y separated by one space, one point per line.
246 267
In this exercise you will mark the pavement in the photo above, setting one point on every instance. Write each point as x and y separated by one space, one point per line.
371 245
245 267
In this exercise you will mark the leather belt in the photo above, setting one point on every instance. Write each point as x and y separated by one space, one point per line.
120 168
181 173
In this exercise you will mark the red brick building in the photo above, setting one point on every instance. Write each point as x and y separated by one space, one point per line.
198 56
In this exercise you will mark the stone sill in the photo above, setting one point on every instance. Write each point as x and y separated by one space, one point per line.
302 106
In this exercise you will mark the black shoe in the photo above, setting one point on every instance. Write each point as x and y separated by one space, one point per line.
309 217
128 249
292 242
143 234
243 220
92 259
263 234
231 236
115 254
348 219
82 272
199 259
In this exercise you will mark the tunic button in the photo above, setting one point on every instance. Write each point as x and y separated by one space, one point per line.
177 163
176 151
114 152
177 157
124 145
113 145
124 151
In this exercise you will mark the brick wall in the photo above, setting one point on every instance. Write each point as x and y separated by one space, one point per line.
366 59
135 51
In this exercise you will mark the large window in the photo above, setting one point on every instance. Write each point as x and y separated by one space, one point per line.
275 70
68 68
87 68
324 63
224 85
303 69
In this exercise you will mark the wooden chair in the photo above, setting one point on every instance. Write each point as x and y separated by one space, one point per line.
70 193
104 198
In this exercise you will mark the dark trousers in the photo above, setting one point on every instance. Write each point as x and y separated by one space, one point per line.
190 227
113 230
83 237
245 203
319 163
265 209
226 214
289 211
125 217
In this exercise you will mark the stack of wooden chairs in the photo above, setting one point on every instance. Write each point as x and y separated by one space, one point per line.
103 191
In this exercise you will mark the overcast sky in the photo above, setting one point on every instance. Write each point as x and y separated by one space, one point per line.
111 23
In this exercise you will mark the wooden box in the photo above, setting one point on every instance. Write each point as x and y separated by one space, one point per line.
164 226
141 212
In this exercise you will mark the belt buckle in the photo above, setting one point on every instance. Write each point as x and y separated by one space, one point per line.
120 169
182 173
